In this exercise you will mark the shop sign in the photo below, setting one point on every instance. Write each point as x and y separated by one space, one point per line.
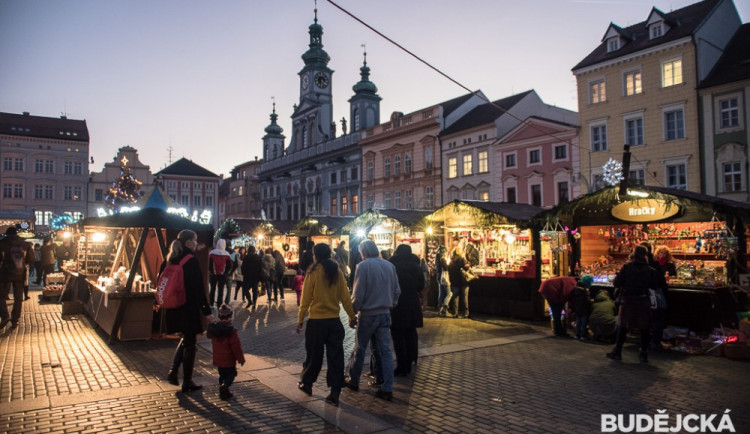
644 210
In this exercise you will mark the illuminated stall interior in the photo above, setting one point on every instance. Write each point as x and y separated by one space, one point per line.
500 231
117 262
706 236
392 227
321 229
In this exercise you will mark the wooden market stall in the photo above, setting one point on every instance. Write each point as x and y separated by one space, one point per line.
321 229
118 259
706 236
391 227
506 254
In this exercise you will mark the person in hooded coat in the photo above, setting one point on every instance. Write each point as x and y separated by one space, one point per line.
186 319
220 266
407 315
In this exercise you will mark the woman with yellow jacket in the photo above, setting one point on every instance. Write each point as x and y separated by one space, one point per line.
324 290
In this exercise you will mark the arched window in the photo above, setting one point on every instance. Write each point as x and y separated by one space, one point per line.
387 167
370 170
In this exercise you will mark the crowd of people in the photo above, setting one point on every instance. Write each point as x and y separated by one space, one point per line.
380 291
638 303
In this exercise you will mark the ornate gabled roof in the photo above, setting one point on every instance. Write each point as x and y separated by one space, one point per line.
185 167
683 21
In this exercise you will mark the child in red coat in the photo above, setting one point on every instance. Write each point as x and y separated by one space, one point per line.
297 283
227 349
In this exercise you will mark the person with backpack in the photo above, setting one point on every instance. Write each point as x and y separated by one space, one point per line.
15 257
220 266
188 287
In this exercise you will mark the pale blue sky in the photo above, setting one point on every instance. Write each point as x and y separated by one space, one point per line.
199 75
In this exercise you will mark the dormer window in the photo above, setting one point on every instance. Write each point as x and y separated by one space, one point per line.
656 30
613 44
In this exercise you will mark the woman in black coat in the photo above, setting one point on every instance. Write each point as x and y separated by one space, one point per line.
186 319
459 285
633 282
407 315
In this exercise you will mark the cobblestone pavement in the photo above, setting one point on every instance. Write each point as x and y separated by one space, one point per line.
58 374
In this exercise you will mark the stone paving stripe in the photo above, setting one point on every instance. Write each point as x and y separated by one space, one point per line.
100 395
23 405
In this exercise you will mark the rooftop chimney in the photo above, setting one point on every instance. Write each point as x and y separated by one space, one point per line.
26 113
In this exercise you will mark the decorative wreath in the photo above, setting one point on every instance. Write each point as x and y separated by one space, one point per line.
285 246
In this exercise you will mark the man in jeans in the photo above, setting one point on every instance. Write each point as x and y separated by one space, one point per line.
375 292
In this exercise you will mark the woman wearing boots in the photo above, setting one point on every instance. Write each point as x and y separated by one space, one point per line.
186 319
633 282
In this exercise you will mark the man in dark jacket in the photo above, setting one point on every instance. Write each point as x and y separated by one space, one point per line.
407 315
48 261
15 257
252 271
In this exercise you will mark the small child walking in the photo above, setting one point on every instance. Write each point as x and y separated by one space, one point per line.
227 349
297 283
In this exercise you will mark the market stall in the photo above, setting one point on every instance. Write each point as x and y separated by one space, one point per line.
321 229
705 235
391 227
504 254
118 259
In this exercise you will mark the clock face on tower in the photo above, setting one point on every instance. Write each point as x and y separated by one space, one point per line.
305 81
321 80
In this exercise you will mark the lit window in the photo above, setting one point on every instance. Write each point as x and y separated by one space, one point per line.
344 205
671 73
484 196
597 92
467 165
484 161
452 167
633 83
334 206
355 204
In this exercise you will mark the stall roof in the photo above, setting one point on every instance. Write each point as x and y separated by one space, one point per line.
596 207
406 217
320 225
491 212
146 218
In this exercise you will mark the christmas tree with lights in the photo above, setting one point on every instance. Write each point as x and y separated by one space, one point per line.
125 190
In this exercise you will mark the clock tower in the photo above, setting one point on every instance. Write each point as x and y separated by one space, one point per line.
312 117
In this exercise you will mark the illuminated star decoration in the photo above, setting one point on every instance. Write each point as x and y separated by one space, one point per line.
612 172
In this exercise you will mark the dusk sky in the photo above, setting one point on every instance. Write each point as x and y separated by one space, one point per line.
199 76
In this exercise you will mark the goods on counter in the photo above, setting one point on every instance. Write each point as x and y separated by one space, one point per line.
689 273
